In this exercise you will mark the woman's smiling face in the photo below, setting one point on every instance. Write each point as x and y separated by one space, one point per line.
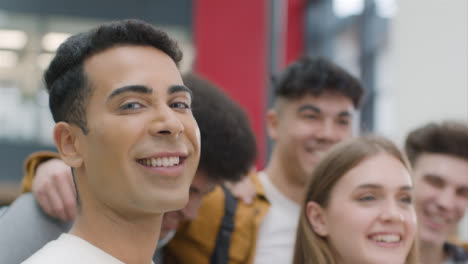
370 216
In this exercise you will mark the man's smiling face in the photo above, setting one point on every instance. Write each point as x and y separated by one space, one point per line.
143 145
441 195
304 129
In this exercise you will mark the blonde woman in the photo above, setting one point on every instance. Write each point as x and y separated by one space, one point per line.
358 207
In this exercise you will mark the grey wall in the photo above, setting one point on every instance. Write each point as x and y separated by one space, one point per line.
173 12
12 156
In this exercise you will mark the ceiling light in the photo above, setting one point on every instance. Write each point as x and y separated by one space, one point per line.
12 39
52 40
8 59
344 8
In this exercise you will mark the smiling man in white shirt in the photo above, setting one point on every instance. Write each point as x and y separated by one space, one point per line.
125 126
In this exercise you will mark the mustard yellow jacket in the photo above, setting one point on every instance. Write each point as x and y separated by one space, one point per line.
30 164
194 241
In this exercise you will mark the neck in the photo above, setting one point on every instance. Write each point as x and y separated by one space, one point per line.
284 179
431 254
129 239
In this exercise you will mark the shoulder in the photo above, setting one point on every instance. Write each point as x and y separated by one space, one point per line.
52 252
72 250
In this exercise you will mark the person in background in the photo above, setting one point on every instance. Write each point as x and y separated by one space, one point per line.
358 207
438 153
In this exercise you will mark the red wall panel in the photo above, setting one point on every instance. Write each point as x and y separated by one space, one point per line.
295 30
232 46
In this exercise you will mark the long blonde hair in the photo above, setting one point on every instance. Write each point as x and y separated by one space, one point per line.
311 247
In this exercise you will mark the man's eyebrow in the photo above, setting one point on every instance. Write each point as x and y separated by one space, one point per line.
179 88
344 114
406 188
130 89
309 107
432 177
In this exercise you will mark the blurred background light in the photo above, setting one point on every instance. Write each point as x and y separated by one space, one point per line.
386 8
12 39
8 59
52 40
344 8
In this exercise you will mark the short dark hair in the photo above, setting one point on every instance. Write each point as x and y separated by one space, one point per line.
69 90
448 137
228 148
315 75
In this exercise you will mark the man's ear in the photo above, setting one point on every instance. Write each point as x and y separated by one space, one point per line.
66 140
272 123
316 217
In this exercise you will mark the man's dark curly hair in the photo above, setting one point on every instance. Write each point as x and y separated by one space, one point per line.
69 90
315 76
448 138
228 148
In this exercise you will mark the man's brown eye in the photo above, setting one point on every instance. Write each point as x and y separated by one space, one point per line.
180 105
366 198
131 105
407 199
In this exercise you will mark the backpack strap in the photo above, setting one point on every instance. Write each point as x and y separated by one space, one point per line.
221 251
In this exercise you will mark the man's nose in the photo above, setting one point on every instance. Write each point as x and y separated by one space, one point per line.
166 122
328 131
446 199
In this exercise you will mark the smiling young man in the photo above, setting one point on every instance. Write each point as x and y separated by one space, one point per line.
439 156
314 108
226 155
124 125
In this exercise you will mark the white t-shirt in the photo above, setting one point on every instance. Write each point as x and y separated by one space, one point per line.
277 232
71 249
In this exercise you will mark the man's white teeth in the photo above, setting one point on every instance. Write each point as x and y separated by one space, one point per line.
161 162
386 238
